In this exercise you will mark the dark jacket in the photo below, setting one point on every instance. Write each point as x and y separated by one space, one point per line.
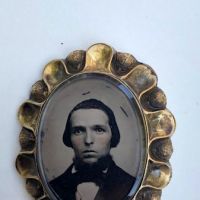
117 184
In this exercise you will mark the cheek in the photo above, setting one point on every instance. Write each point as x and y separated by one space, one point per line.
105 141
76 142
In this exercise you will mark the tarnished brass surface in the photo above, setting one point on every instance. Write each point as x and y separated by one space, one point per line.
34 187
154 99
141 79
27 140
158 175
28 115
147 193
75 61
99 58
161 124
54 73
26 166
122 63
39 92
161 149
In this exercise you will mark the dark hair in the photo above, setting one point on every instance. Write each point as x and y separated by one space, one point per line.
93 104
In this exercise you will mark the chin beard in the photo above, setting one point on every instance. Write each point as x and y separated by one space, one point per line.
100 165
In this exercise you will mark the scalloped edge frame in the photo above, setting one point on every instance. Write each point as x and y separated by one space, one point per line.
142 80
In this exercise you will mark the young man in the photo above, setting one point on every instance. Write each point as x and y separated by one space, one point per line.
91 130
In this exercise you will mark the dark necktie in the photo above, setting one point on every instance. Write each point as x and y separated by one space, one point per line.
97 177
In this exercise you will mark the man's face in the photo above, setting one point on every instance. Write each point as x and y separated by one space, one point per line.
90 134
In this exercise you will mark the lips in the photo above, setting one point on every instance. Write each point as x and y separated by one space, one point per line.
89 154
89 151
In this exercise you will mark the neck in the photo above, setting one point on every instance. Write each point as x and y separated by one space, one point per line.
101 165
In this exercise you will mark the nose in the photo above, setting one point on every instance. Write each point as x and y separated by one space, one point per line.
89 138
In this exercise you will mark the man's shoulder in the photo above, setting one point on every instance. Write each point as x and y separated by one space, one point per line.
62 186
119 174
118 183
61 180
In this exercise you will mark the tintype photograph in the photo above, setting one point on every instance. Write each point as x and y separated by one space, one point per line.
91 140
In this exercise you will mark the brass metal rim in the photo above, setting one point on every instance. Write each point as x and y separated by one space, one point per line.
142 81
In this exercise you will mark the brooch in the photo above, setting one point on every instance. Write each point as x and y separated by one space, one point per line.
96 127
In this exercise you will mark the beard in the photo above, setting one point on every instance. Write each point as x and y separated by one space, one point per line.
101 164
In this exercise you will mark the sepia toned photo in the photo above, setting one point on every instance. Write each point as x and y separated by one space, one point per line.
91 140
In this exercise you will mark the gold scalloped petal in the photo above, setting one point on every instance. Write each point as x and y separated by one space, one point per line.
54 73
39 91
158 175
141 79
75 61
148 194
34 188
161 149
27 140
154 99
25 164
123 63
98 58
161 124
28 115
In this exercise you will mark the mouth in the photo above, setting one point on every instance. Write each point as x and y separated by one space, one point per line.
89 154
89 151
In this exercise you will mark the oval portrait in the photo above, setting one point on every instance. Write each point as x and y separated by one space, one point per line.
91 140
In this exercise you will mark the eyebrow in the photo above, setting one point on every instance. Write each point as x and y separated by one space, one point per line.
99 126
78 127
83 127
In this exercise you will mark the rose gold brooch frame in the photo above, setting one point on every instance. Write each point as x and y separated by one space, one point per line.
142 80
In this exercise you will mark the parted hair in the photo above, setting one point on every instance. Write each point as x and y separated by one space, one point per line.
93 104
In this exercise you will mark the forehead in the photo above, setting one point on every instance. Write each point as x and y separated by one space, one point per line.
89 117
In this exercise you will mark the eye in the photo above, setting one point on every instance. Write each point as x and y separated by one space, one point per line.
77 130
99 130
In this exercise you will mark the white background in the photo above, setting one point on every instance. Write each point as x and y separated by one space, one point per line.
162 33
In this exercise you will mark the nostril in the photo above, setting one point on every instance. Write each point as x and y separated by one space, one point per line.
88 139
